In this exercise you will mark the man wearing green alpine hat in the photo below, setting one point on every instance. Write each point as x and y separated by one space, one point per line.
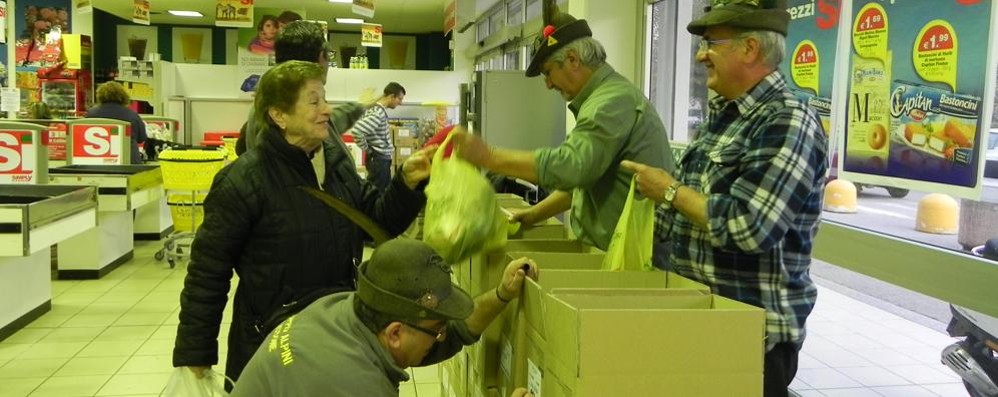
742 211
405 313
613 122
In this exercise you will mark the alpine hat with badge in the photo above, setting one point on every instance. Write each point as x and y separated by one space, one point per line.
769 15
562 30
407 278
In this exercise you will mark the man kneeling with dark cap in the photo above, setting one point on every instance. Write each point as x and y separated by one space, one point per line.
405 312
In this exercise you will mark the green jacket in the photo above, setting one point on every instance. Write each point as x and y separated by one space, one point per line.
613 122
327 351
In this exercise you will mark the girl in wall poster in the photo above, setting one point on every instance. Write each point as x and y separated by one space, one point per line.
263 43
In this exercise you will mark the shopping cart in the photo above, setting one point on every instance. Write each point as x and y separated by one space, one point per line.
187 176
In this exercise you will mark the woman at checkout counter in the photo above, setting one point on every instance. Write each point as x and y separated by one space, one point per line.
114 105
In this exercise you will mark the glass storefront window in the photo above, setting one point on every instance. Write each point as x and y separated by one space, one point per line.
889 211
513 60
483 30
514 12
497 20
533 9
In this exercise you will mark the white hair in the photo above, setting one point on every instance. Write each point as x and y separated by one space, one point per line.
772 46
590 52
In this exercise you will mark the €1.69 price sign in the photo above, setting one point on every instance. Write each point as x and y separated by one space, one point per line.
17 157
97 144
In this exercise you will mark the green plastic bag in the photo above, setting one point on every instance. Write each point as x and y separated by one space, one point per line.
631 244
462 215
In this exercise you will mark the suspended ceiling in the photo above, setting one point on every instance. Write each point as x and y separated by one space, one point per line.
396 16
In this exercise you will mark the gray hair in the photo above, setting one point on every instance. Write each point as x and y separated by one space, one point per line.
772 46
590 51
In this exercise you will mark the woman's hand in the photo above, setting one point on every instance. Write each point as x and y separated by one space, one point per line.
416 168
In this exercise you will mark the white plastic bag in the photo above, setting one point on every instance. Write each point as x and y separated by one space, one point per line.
184 383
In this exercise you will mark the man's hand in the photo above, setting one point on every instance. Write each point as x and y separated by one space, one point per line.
470 147
416 168
521 392
199 371
512 278
651 181
525 216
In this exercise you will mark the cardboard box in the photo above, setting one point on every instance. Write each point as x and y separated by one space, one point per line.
481 273
529 319
454 376
507 199
625 344
410 142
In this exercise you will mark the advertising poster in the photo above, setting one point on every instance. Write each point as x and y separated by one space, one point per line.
370 35
255 52
3 22
140 12
84 6
915 105
191 45
34 20
810 62
234 13
364 7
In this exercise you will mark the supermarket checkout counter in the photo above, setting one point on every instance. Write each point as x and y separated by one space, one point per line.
120 189
32 219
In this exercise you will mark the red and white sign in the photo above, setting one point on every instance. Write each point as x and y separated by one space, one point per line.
98 144
18 157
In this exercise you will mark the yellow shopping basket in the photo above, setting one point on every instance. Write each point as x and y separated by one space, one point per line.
187 213
187 177
190 169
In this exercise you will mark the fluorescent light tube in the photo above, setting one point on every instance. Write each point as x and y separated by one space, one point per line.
185 13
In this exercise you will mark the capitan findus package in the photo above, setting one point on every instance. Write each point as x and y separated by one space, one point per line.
934 121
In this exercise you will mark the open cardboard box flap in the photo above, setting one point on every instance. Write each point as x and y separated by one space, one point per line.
600 335
532 302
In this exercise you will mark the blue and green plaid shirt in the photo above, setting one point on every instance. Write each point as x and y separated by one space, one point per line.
760 160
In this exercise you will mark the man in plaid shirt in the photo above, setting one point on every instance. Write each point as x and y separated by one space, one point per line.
742 212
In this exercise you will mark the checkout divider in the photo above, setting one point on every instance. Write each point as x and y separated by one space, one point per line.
582 331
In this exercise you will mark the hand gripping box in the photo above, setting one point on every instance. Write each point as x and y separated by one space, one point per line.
486 271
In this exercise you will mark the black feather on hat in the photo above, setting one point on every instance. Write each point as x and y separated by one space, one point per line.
769 15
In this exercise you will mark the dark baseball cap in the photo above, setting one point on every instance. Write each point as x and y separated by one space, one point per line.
769 15
562 30
407 278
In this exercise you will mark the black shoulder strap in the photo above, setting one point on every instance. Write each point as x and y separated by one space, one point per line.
357 217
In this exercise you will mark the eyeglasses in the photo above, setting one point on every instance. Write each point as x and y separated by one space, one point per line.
439 335
706 44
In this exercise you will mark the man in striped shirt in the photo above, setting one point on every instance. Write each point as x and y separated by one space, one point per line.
371 134
743 209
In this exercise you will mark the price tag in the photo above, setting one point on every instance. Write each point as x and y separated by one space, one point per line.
804 69
934 53
869 33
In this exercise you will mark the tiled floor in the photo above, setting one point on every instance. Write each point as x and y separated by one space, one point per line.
114 337
856 350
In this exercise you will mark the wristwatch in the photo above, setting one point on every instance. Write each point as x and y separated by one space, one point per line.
670 195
